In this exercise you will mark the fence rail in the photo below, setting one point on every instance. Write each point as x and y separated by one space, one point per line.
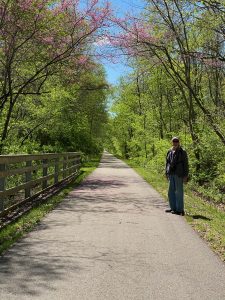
23 177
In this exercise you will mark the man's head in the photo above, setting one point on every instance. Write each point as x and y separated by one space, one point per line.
175 142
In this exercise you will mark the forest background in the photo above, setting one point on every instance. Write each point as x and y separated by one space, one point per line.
55 96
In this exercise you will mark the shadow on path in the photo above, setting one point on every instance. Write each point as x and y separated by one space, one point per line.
94 184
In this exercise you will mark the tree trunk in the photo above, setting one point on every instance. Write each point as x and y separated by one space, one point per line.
6 126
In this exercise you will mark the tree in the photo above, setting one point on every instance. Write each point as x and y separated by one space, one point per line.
38 38
169 37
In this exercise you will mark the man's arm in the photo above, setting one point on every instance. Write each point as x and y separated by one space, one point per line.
185 165
166 166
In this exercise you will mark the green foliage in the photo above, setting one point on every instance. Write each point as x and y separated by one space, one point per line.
220 178
53 93
148 110
70 117
177 87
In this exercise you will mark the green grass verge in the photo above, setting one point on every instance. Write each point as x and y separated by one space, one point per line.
205 218
12 232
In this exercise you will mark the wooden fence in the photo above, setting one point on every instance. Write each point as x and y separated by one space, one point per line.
23 177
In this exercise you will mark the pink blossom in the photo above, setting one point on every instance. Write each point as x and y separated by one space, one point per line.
214 63
25 4
134 36
93 3
48 40
59 28
82 60
205 58
65 4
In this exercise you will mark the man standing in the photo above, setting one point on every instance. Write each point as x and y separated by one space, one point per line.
177 174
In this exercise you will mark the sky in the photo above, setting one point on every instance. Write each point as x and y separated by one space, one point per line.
115 70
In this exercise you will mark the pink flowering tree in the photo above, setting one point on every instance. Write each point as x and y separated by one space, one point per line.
168 36
40 38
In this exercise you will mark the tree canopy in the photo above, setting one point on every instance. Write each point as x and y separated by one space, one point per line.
176 87
52 88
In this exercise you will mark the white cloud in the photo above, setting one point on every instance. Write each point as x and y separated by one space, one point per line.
102 42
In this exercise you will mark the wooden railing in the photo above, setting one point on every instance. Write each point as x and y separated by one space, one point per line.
23 177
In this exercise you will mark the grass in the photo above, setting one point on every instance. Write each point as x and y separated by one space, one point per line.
12 232
204 217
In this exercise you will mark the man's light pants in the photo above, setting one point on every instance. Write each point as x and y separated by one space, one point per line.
176 193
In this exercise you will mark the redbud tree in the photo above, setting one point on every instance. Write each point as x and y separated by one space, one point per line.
173 34
40 37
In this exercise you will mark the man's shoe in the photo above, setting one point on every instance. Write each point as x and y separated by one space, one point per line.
168 210
178 213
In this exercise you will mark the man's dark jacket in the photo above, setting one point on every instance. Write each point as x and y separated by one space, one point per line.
177 163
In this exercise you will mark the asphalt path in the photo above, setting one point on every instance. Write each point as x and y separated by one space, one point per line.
111 239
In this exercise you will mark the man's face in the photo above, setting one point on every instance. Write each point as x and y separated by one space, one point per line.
175 144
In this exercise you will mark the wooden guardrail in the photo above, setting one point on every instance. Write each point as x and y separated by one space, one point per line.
23 177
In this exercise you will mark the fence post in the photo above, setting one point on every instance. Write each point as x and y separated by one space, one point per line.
28 178
76 162
64 166
79 162
56 178
2 186
45 173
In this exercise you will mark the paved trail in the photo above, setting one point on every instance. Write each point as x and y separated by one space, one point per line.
111 239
